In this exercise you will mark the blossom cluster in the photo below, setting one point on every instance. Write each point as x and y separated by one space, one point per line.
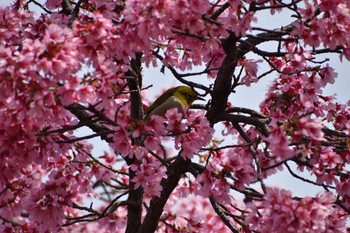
149 175
233 167
191 214
329 28
280 212
143 140
300 111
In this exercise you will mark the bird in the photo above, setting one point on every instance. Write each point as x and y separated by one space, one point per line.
180 97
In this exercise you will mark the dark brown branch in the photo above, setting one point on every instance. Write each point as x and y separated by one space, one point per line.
75 12
67 7
136 111
268 54
219 11
254 154
180 77
260 124
65 128
247 111
71 140
93 214
40 5
218 209
135 84
306 180
341 205
223 82
338 49
197 36
223 147
99 115
253 41
337 133
282 5
80 112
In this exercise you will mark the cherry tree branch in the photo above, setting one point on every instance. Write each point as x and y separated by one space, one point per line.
260 124
75 12
39 5
223 81
67 7
80 112
135 196
180 77
218 209
95 215
326 187
134 83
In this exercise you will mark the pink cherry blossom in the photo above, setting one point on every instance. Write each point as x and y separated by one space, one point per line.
251 69
46 211
280 212
149 176
278 142
121 142
310 128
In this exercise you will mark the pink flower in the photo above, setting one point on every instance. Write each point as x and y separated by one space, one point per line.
174 121
109 158
149 175
156 125
210 186
343 187
61 56
328 75
198 136
251 70
121 142
310 128
152 143
329 158
53 4
278 142
46 211
280 212
194 214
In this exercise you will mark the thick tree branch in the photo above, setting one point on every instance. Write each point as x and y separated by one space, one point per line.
223 82
134 80
251 42
260 124
80 112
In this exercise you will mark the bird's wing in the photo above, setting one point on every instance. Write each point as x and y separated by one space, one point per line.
161 99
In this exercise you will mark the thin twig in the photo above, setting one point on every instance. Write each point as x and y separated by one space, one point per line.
222 215
326 187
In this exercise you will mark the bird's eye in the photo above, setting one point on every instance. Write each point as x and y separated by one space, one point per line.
189 96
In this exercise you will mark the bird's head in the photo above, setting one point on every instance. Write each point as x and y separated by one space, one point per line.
186 95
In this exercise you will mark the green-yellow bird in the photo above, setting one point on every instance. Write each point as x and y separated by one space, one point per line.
180 97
